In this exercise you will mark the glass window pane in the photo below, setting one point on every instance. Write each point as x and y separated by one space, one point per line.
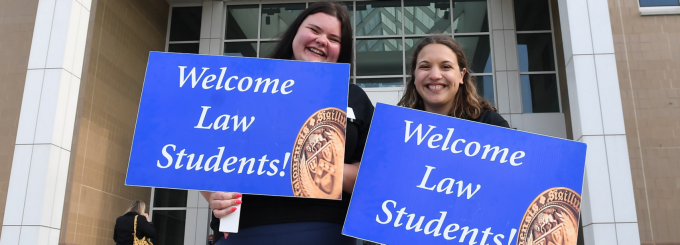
380 82
535 52
425 17
477 50
377 18
188 48
266 49
241 49
349 6
484 86
277 17
169 198
470 16
652 3
532 15
410 45
379 57
350 10
185 24
539 93
241 22
169 226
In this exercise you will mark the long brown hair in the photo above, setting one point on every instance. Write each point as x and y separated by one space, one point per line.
467 104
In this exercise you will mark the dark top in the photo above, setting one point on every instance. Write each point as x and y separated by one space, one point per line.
493 118
122 233
267 210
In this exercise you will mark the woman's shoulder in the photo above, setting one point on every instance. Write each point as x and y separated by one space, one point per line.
359 102
493 118
356 92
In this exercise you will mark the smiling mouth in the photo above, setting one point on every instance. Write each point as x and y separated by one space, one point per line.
316 51
435 87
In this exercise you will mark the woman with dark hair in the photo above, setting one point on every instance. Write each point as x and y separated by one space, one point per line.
321 33
441 83
136 221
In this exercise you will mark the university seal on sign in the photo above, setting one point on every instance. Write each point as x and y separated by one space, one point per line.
551 219
318 155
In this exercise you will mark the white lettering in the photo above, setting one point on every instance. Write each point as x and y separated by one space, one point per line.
260 81
207 80
439 222
240 84
467 149
200 121
418 130
192 74
243 122
516 155
166 155
287 84
424 181
387 212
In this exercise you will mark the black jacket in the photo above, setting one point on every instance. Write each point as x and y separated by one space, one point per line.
122 233
493 118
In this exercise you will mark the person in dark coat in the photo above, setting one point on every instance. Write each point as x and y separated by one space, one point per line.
122 233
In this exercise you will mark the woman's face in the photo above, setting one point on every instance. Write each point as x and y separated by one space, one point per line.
438 77
318 39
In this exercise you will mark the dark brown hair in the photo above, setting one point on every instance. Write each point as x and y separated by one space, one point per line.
284 48
467 104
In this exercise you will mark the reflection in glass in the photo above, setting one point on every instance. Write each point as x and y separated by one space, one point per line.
532 15
169 226
185 24
379 57
425 17
187 48
277 17
470 16
484 86
376 18
241 49
266 49
410 46
350 10
654 3
241 22
539 93
535 52
380 82
169 198
477 50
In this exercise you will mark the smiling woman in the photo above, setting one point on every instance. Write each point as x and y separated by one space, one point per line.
320 33
306 44
441 83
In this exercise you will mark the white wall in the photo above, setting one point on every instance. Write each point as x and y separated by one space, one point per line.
608 206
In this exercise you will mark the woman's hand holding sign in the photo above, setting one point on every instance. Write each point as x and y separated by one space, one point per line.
222 203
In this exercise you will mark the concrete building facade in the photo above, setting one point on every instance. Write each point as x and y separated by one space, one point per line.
603 72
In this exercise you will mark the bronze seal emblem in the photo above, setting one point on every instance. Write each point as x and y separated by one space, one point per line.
551 219
318 155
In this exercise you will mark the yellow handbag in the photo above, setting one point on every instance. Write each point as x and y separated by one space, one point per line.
138 241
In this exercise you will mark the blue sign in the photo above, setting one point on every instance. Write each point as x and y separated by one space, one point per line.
259 126
432 179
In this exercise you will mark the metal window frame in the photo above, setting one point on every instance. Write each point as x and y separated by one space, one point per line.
555 72
167 36
353 76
